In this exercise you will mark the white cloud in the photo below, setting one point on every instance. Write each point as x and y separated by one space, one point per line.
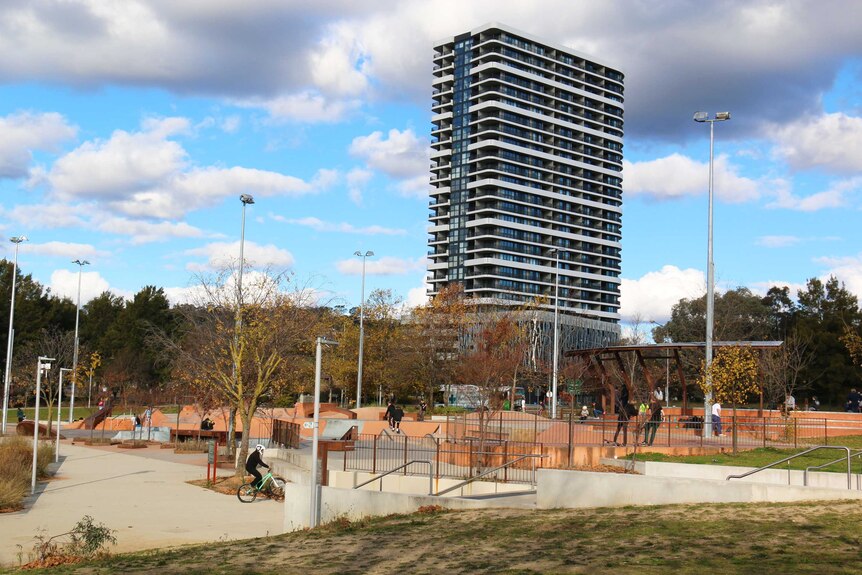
777 241
64 283
222 254
416 187
399 155
676 176
336 63
835 196
49 216
652 297
143 174
23 132
63 249
304 107
357 179
847 269
231 124
323 226
385 266
144 232
417 297
829 141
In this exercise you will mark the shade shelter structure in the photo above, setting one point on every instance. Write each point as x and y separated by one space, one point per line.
597 357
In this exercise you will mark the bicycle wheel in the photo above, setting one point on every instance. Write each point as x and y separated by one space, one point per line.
246 493
276 488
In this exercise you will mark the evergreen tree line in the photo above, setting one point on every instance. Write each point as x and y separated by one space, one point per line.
811 324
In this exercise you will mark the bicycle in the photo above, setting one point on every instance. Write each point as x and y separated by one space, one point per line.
271 485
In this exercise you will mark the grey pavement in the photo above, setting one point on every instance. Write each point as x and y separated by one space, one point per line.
140 493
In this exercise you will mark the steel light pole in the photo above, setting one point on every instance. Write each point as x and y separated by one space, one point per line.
43 363
246 199
666 371
314 499
556 361
8 379
81 264
710 269
59 409
361 328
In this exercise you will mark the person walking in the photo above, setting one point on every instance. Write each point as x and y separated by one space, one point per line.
654 421
716 419
397 416
423 407
624 412
389 414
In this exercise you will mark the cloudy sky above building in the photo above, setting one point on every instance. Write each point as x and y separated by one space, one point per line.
128 130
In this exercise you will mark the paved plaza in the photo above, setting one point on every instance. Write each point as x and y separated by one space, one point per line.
140 493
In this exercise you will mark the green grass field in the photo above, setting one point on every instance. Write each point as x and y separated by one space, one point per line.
766 455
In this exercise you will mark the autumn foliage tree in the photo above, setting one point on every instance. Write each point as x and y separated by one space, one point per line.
248 359
732 377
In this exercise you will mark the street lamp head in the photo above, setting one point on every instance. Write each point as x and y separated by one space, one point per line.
246 199
18 239
367 254
81 262
721 116
701 116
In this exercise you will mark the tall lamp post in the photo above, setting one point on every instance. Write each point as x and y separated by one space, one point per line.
81 264
367 254
8 379
703 117
556 361
246 199
59 409
314 499
42 364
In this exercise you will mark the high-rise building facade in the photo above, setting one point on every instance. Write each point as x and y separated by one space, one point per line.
527 149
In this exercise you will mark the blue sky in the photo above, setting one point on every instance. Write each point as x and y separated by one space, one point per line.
129 129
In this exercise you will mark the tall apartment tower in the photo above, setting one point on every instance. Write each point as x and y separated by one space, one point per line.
527 158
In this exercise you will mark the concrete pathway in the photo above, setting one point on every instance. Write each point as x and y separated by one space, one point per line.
143 495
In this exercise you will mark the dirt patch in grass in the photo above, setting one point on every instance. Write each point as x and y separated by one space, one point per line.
815 538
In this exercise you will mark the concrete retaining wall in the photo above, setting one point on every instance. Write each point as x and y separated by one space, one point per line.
822 479
582 489
355 504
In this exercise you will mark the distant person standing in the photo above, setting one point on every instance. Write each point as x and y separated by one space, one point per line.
20 414
716 418
423 407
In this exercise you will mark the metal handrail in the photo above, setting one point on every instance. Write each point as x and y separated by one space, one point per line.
483 474
800 454
382 475
807 469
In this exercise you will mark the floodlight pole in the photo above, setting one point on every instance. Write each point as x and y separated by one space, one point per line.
42 363
8 378
314 499
710 271
361 329
59 409
556 360
81 264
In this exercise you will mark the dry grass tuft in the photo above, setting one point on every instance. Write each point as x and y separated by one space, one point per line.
16 460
